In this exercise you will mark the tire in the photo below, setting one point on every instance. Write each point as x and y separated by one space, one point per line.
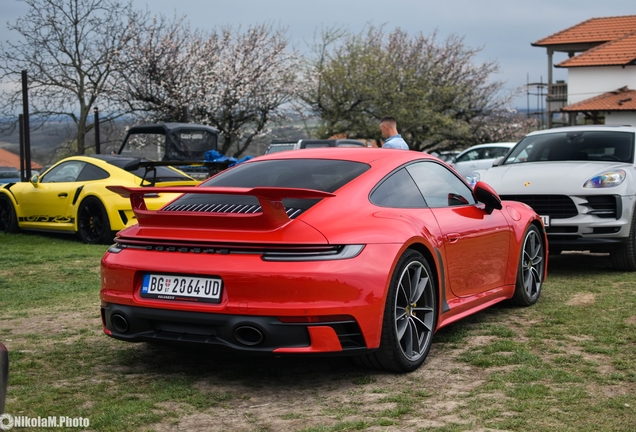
93 226
531 268
410 317
624 257
8 219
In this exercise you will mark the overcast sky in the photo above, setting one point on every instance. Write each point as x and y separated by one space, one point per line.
504 29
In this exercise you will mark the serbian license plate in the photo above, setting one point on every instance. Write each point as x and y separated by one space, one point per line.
183 288
546 220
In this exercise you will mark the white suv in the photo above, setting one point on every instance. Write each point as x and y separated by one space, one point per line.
582 181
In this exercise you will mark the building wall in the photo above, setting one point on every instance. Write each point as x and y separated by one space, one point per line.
587 82
626 118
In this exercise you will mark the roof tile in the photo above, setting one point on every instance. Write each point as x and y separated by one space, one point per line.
594 30
622 99
620 52
8 158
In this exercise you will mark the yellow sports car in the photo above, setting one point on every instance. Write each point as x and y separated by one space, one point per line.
72 197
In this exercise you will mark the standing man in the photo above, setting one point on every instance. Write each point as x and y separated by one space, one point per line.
392 139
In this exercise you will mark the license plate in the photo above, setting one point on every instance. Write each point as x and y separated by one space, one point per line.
183 288
546 220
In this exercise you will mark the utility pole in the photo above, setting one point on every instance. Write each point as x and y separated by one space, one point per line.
25 124
96 120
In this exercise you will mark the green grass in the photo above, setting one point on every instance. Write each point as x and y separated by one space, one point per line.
567 363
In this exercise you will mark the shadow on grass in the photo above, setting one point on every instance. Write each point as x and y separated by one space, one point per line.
45 236
579 262
196 363
199 362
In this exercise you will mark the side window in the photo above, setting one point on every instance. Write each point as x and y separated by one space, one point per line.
495 152
64 172
440 187
470 156
398 191
92 172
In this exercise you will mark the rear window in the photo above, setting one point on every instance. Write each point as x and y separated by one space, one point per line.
318 174
575 146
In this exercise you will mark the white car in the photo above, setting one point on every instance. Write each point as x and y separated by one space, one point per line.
582 181
479 157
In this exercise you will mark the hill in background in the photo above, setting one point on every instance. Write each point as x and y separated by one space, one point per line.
51 141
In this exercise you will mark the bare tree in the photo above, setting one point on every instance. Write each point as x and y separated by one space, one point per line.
156 70
238 82
69 49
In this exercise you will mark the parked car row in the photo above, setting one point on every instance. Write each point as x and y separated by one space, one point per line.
246 260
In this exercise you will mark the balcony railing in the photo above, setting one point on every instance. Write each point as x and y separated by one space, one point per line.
557 92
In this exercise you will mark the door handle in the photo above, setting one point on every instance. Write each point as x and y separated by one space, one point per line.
452 237
62 194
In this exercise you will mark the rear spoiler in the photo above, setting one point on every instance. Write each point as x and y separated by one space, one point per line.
272 216
150 166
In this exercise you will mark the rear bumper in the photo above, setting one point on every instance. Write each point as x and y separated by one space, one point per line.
245 333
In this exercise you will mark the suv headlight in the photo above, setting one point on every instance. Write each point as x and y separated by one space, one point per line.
605 180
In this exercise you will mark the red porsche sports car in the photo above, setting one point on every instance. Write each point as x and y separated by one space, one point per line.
362 252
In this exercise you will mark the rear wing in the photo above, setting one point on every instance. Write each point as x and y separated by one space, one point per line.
272 215
149 165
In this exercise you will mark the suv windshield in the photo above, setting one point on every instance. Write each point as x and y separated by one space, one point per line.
574 146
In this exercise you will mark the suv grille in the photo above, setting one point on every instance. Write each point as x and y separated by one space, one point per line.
555 206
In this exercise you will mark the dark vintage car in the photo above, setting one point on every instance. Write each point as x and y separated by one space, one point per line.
185 145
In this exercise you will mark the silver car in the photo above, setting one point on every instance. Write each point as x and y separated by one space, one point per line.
582 181
479 157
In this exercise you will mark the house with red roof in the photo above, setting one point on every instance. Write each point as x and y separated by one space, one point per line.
601 66
10 159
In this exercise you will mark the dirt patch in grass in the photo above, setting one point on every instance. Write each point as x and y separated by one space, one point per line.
46 323
581 299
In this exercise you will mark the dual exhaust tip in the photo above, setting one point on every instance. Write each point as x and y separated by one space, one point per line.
246 335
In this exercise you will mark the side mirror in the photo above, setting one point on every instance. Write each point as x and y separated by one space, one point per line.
498 161
34 180
487 195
